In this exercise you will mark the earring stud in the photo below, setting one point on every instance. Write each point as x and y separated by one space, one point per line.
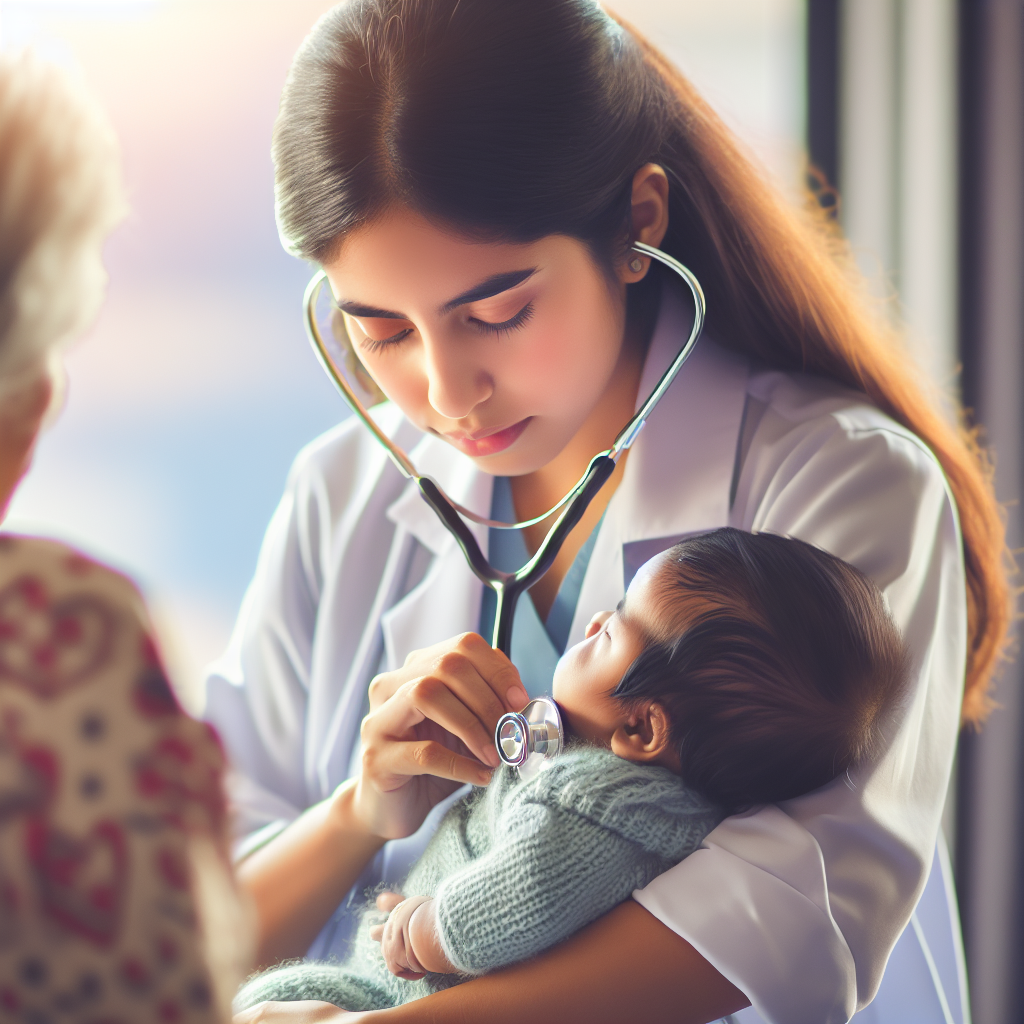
636 265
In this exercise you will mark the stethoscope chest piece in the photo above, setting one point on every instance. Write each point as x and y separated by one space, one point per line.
528 739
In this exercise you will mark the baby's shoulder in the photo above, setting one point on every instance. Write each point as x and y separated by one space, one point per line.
646 804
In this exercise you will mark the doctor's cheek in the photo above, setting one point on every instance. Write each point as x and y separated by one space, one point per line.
400 376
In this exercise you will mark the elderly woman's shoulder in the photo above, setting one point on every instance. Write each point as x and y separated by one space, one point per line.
111 802
60 608
60 565
72 629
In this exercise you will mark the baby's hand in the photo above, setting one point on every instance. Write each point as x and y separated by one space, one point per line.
393 935
408 938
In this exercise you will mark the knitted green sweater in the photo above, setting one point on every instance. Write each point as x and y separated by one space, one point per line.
516 868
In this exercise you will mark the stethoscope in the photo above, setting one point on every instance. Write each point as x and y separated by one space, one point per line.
528 738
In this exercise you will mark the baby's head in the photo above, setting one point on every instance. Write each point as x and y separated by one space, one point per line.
757 667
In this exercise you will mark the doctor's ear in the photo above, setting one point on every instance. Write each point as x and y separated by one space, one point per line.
649 219
645 737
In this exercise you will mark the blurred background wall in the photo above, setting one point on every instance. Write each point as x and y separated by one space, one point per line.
196 387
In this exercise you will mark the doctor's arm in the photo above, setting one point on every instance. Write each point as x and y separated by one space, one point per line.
298 861
410 761
626 966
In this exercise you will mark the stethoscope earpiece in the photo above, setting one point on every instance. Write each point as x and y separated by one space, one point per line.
528 739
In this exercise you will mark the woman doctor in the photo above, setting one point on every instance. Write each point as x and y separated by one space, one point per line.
470 174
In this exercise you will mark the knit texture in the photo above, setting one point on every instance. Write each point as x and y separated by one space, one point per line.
516 868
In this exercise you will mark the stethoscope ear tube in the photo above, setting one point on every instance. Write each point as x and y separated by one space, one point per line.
398 457
508 586
622 442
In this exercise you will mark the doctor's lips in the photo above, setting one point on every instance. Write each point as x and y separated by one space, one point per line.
484 443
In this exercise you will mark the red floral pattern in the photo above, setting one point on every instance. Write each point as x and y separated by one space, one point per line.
104 782
47 645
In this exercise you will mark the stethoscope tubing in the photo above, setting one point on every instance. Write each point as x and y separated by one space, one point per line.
508 587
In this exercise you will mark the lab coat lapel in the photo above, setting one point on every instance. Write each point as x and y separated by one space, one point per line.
679 470
444 603
447 601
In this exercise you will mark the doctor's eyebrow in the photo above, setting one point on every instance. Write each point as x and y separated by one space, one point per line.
372 312
493 285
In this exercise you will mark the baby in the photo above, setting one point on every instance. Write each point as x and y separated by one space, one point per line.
739 669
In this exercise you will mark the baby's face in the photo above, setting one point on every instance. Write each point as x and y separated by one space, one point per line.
588 673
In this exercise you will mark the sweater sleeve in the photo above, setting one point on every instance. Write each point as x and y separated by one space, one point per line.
550 872
324 982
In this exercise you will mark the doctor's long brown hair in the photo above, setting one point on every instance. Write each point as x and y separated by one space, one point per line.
517 119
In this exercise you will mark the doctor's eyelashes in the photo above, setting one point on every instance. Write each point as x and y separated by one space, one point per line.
506 326
375 345
514 323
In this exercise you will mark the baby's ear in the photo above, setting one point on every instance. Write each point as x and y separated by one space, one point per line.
645 736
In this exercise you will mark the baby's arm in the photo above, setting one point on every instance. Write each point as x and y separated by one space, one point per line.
562 850
409 939
550 873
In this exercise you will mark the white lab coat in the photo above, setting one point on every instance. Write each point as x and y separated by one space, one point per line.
799 905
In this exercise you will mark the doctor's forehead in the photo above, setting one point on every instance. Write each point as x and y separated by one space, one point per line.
403 257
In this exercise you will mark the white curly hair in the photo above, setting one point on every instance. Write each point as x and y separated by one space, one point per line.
60 194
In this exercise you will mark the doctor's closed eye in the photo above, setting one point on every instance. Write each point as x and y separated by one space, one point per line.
513 323
374 321
372 326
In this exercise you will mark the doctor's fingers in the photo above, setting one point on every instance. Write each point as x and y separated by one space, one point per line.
465 711
390 767
465 656
455 707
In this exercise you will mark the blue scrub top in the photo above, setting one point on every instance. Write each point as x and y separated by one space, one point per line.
536 645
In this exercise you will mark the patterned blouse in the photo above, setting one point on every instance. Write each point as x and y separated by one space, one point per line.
111 811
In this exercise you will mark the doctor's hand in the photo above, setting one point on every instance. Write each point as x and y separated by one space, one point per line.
430 730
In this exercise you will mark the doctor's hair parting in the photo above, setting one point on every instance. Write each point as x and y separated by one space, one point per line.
780 669
514 120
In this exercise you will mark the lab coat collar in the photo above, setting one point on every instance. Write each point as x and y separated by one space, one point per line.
679 470
676 483
460 479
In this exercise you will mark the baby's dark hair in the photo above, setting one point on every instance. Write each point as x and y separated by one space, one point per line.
779 671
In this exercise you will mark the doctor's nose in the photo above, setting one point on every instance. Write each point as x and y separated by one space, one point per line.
455 387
